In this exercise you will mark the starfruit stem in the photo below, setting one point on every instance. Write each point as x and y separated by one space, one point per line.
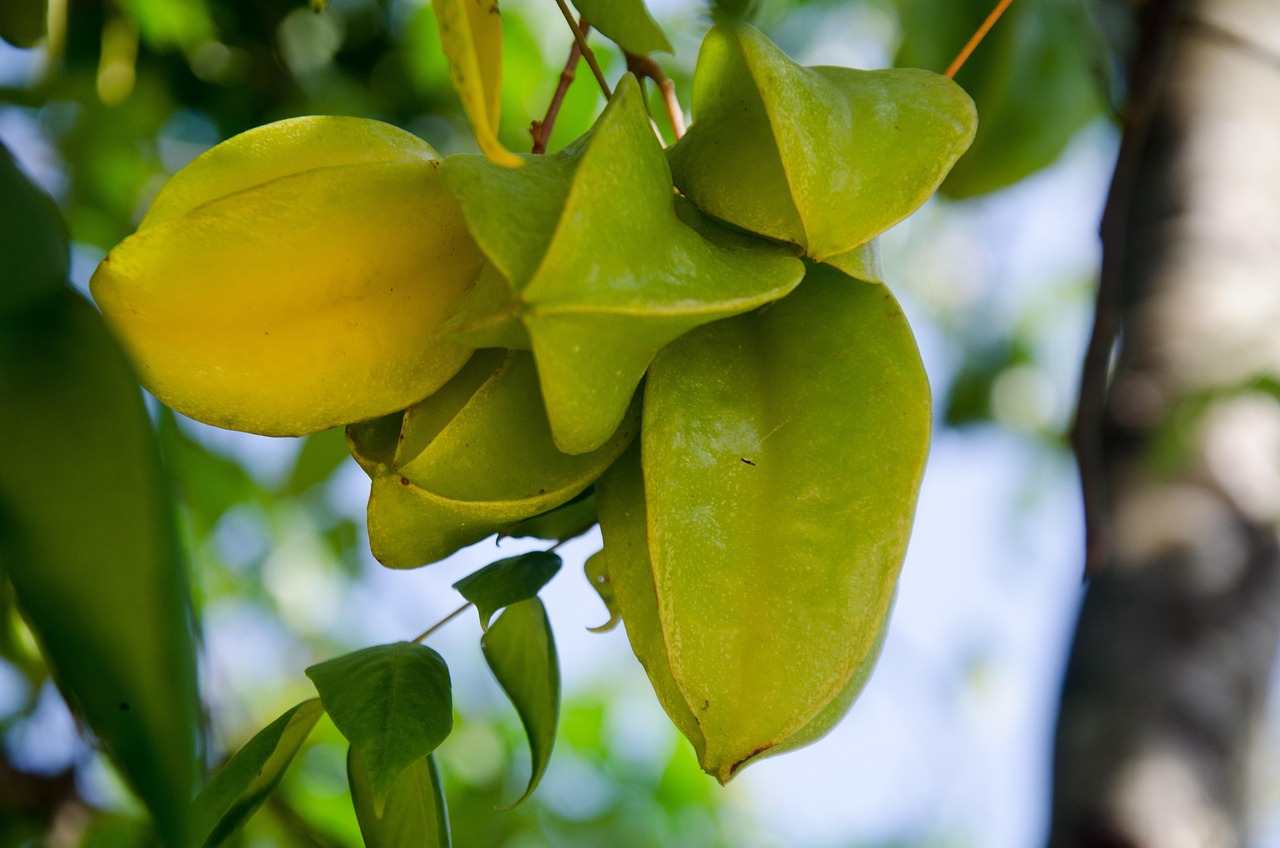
541 130
646 66
579 36
442 622
976 38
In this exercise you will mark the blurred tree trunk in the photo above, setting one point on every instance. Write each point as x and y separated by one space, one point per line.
1175 643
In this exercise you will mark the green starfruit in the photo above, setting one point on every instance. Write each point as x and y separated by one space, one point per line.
473 459
272 287
754 540
825 158
592 260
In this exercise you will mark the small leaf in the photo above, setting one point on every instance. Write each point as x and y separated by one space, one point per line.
393 703
521 653
626 23
320 456
861 263
415 813
246 780
507 581
471 35
597 570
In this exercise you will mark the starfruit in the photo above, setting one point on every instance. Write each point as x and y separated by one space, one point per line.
592 264
473 459
825 158
286 281
755 538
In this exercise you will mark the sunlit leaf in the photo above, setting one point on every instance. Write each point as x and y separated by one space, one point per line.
393 703
87 539
625 22
471 35
824 158
242 785
415 813
599 299
507 581
521 653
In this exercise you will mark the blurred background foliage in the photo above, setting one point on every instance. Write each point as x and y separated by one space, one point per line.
119 94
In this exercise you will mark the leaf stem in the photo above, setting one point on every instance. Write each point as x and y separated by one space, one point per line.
541 130
579 36
442 622
645 66
977 37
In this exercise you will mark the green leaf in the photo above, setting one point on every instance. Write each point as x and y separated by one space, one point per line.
824 158
1035 80
626 23
601 293
560 524
810 421
22 24
87 539
596 569
507 581
861 263
33 240
473 459
243 784
393 703
471 35
521 653
415 813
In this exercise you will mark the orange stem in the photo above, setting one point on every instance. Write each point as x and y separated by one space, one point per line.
977 37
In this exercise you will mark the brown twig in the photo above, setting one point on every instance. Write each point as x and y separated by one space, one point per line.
645 66
976 38
579 35
541 130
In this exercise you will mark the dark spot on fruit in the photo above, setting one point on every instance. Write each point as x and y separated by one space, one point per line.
733 769
542 491
748 462
706 705
404 481
124 706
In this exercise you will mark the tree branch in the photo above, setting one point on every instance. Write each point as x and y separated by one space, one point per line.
541 130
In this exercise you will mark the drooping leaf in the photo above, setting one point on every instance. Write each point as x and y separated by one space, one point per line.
471 35
596 569
415 813
393 703
521 653
824 158
1034 78
507 581
243 784
560 524
470 461
810 420
22 24
270 290
87 539
599 297
626 23
33 240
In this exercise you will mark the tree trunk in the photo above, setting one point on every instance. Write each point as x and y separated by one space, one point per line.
1173 649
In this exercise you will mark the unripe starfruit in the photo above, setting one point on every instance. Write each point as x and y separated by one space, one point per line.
825 158
288 279
593 267
473 459
755 542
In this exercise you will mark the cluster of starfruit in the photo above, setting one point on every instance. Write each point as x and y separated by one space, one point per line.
691 344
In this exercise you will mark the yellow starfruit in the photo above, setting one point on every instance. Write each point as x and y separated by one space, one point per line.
288 279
